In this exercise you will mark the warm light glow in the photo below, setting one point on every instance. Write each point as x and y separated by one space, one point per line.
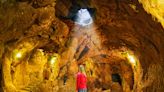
18 55
83 17
53 60
131 59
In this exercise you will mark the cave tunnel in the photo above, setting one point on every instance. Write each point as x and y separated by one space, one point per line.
118 45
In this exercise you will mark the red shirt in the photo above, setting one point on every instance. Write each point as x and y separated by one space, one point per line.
81 81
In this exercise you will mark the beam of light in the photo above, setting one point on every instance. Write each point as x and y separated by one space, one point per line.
83 18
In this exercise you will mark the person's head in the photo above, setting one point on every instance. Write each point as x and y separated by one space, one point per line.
81 68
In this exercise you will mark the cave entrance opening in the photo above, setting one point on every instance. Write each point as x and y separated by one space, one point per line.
83 17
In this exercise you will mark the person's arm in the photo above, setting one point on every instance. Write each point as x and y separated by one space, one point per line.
77 83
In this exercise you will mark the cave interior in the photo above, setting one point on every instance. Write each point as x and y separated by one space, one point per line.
120 43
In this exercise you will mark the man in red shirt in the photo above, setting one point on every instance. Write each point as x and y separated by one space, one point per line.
81 81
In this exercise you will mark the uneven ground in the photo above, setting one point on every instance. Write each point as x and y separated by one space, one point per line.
33 32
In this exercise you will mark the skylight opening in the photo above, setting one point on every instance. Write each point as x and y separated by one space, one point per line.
83 17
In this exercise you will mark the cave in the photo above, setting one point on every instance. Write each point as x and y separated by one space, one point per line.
120 43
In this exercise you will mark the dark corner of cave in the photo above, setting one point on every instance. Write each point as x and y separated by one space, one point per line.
81 46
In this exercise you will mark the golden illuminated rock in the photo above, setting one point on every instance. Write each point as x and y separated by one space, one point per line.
156 8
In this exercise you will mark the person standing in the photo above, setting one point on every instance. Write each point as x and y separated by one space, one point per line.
81 81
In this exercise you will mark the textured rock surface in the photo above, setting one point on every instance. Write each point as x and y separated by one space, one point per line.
41 47
155 7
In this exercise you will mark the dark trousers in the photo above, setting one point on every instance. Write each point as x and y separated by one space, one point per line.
82 90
